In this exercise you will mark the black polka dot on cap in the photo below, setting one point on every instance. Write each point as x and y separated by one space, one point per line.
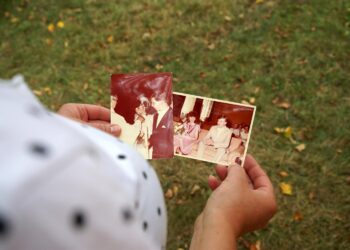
127 215
145 225
4 227
159 211
79 219
39 149
121 156
144 175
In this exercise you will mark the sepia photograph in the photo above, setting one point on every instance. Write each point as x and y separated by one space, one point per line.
141 104
211 130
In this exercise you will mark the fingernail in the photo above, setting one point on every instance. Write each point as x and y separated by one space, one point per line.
115 128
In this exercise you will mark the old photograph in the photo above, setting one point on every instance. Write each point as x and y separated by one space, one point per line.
211 130
142 105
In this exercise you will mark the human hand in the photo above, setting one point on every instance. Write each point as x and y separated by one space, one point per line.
93 115
242 201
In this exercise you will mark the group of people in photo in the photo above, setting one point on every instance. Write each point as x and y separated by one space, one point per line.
219 138
150 131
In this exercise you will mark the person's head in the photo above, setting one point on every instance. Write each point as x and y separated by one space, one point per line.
159 101
143 105
191 117
222 121
236 126
246 128
114 101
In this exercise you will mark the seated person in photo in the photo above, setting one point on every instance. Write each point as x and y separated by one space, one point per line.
179 127
184 142
244 134
235 155
219 136
236 130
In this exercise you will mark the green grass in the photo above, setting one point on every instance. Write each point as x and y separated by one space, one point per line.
296 50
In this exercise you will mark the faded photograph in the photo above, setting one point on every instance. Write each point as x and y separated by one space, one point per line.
211 130
142 105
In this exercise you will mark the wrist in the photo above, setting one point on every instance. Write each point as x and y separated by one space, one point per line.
226 223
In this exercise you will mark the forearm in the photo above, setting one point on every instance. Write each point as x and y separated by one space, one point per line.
213 233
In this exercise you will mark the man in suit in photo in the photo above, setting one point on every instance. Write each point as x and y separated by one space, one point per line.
161 140
219 137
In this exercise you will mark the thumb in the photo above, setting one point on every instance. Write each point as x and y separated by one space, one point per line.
108 128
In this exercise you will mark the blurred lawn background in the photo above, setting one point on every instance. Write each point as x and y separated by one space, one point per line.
289 58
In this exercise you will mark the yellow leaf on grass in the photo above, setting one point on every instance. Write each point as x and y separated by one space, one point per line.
252 100
47 90
259 1
60 24
286 188
283 174
110 39
278 130
159 67
287 132
51 27
300 147
37 92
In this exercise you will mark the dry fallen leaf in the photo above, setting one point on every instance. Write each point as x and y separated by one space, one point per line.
175 190
146 36
255 246
252 100
37 92
60 24
51 27
47 90
287 132
281 103
169 194
85 86
286 188
245 102
14 19
300 147
110 39
297 216
159 67
259 1
195 189
283 174
211 46
228 18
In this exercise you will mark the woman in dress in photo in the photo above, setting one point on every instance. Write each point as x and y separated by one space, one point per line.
183 143
142 125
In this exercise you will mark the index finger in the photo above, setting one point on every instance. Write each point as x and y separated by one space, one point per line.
257 175
95 112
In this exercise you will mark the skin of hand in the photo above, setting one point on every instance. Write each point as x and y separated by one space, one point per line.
93 115
242 201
